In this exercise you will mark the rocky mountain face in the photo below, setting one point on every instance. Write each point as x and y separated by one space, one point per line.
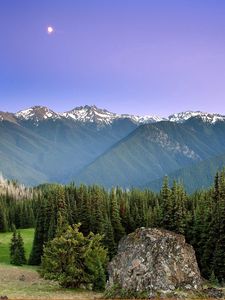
153 151
154 262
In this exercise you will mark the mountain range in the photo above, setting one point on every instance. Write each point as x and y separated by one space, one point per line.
94 146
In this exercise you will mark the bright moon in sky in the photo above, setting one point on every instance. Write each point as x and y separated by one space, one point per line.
50 29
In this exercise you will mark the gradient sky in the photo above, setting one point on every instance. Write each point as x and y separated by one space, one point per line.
128 56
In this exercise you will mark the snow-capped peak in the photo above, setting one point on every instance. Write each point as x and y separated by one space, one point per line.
82 114
206 117
102 117
143 119
92 114
37 113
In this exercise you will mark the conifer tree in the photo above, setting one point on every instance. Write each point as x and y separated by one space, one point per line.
3 219
108 238
21 250
13 246
17 252
118 229
75 260
83 208
179 210
213 280
52 223
97 210
60 200
167 205
219 253
39 236
213 229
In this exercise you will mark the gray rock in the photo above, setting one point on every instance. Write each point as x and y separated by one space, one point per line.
154 261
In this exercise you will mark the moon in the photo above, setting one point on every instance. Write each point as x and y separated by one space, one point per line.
50 29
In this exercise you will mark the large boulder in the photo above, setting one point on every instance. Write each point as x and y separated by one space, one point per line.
154 261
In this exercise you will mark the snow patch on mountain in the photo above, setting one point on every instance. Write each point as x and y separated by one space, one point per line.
206 117
37 113
102 117
92 114
143 119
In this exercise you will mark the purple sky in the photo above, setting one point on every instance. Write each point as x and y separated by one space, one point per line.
134 56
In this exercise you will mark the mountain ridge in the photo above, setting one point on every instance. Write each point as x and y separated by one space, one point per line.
82 114
93 114
92 145
204 173
153 150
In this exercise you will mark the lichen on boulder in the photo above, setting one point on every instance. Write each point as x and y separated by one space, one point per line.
156 262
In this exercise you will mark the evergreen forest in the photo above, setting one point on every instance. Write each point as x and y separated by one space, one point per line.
116 212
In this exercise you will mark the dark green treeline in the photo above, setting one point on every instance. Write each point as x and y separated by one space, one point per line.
16 213
200 217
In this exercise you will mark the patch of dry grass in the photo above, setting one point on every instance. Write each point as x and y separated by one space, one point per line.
25 283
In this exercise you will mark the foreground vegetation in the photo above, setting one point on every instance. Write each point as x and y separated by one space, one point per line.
5 238
75 260
200 217
25 283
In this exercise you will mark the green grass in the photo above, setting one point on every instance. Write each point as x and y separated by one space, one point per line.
27 235
24 282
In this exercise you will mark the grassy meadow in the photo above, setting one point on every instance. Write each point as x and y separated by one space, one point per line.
27 235
24 282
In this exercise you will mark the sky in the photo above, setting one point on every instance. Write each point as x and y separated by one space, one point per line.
128 56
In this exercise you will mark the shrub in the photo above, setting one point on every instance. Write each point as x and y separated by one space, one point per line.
75 260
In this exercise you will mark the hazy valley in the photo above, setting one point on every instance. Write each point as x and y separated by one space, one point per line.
93 146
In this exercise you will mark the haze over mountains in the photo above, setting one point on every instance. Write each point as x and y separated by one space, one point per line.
92 145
